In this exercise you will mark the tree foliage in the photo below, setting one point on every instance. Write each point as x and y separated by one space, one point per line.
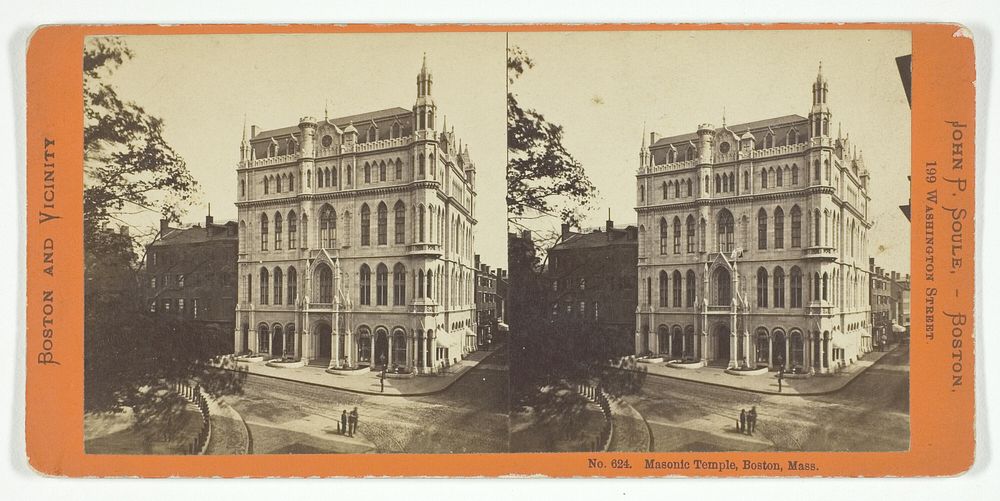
129 167
131 357
542 176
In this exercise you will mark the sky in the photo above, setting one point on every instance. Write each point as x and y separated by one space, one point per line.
606 88
202 87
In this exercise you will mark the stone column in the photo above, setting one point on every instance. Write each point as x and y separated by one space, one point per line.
807 355
683 345
371 353
770 351
788 351
349 348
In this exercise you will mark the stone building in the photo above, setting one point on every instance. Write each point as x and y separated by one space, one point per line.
593 281
753 244
191 274
356 240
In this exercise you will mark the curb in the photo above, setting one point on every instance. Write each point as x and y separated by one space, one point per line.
366 392
772 392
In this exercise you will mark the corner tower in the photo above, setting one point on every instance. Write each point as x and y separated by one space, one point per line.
424 109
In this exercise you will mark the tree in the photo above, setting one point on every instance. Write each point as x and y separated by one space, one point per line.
543 178
131 357
128 165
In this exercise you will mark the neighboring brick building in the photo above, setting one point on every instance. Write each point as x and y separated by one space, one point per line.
191 274
593 277
486 304
883 304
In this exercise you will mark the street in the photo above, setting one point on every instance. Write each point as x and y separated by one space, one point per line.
290 417
869 414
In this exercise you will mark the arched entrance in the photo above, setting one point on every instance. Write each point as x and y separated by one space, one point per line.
763 347
325 348
663 337
365 345
797 350
263 338
277 341
381 348
677 340
721 337
399 348
780 349
689 341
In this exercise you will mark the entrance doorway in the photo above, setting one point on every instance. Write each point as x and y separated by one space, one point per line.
780 343
325 349
722 342
277 342
677 348
381 349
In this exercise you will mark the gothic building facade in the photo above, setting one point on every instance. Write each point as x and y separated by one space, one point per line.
753 244
356 240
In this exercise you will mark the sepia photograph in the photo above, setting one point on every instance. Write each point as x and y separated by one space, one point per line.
295 244
709 241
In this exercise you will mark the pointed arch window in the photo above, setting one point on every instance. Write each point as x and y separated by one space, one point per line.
267 184
796 227
762 288
795 175
293 285
677 235
689 187
689 286
725 231
399 169
664 289
677 289
690 234
421 162
328 227
277 285
398 285
368 172
779 178
796 288
365 285
399 222
366 225
430 280
663 188
663 236
763 178
263 232
265 285
382 224
372 133
381 285
779 228
277 231
293 227
779 287
762 229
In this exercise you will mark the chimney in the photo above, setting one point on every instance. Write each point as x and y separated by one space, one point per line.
565 230
653 138
477 261
609 225
253 131
123 230
164 226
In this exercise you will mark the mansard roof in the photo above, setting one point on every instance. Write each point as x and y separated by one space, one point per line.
341 122
757 125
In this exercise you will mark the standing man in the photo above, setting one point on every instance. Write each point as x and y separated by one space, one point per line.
381 380
354 421
781 375
752 418
343 423
743 420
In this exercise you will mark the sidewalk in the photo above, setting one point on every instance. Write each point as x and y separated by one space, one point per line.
229 432
629 430
768 383
369 383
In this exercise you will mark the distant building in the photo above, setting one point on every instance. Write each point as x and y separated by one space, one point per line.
592 275
503 286
753 243
883 304
191 274
486 304
900 315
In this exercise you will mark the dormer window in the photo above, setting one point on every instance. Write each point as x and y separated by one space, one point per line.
372 133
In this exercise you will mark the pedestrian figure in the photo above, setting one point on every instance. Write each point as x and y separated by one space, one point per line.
381 381
781 375
354 421
752 418
343 423
743 420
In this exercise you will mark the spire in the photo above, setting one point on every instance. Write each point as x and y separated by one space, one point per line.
423 67
644 136
445 127
326 110
244 128
723 117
